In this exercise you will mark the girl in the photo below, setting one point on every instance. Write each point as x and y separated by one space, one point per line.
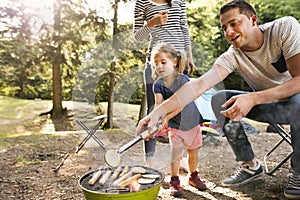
184 129
163 21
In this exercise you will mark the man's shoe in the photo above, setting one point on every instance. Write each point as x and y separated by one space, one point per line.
292 190
175 188
243 175
195 181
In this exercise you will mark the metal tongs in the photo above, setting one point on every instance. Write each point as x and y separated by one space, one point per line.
113 158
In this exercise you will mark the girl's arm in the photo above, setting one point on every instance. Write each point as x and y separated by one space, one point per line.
158 99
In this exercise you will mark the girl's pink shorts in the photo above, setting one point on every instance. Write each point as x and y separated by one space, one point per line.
190 139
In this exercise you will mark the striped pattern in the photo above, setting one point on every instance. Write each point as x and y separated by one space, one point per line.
175 31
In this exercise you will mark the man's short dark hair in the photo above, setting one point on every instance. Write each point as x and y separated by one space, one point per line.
244 7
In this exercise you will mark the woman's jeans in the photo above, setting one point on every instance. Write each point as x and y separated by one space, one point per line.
284 112
149 146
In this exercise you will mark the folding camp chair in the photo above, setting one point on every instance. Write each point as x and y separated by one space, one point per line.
91 132
285 136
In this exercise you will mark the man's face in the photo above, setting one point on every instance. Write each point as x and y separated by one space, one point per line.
237 28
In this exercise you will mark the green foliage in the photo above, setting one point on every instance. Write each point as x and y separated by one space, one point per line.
26 57
92 81
266 8
87 58
20 66
73 40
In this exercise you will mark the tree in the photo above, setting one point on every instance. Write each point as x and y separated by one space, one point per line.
20 66
64 46
112 67
56 61
104 76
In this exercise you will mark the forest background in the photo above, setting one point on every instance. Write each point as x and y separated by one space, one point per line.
75 50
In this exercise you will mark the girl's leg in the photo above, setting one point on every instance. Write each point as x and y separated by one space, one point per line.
192 155
175 188
176 155
194 179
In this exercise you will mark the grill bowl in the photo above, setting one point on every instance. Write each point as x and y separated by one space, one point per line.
145 193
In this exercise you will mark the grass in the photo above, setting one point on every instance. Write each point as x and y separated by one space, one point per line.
19 115
12 108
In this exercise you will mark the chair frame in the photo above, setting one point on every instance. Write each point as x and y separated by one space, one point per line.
91 132
285 136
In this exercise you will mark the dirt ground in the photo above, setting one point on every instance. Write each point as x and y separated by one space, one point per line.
27 164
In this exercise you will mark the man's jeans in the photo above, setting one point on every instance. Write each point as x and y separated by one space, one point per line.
285 112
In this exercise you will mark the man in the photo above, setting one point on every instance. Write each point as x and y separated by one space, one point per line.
268 58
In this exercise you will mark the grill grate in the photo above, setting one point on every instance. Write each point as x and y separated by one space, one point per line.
110 188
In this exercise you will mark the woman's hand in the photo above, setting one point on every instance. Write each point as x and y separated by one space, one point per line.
191 66
190 62
158 19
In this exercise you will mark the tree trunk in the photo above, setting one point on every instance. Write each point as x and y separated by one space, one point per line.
57 109
110 123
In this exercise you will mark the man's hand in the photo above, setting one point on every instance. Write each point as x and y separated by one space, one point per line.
240 106
154 123
143 123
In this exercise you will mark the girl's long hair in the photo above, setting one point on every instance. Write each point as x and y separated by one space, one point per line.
171 52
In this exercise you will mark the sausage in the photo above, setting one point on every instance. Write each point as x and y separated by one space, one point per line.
129 180
105 177
125 170
95 177
122 178
116 172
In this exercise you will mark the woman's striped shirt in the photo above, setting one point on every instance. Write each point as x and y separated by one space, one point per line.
175 31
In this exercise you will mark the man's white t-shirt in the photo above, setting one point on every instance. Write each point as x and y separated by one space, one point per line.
265 68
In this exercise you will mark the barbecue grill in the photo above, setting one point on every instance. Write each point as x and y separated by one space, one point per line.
110 190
